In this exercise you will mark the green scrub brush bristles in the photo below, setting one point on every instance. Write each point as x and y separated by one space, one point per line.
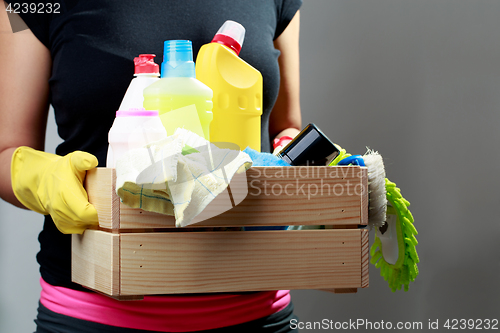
405 269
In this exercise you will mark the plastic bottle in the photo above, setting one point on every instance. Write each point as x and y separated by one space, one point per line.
146 72
237 88
132 129
182 100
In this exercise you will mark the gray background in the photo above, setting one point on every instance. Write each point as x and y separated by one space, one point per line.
417 80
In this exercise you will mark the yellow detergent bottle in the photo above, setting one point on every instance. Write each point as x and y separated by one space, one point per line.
181 100
237 88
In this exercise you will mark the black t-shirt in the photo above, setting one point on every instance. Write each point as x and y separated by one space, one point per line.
92 45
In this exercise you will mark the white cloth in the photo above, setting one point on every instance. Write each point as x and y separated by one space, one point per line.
165 177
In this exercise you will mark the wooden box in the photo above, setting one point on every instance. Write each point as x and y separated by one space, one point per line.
135 253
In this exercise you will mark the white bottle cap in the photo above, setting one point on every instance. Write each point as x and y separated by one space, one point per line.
234 31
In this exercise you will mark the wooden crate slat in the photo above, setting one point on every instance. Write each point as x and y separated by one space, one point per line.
315 200
95 261
288 215
100 184
365 258
197 262
364 198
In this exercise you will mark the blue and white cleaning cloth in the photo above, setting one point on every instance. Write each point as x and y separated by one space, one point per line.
179 175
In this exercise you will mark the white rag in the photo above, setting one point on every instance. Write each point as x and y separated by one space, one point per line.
169 177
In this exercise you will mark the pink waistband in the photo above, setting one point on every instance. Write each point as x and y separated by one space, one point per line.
164 313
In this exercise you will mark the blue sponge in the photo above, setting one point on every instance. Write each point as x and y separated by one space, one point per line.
264 159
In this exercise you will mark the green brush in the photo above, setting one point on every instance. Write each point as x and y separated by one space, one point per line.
393 251
394 248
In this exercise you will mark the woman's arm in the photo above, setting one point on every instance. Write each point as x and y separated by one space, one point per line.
285 118
25 66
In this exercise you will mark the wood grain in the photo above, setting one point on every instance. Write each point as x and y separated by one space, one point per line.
364 247
364 197
95 261
133 258
199 262
100 184
267 195
365 258
345 291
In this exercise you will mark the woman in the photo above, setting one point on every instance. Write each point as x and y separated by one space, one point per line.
79 60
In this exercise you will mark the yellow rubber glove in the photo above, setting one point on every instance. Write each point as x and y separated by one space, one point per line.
50 184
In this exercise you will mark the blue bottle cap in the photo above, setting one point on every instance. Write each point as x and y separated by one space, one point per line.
177 59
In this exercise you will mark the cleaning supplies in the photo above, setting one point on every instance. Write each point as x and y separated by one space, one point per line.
237 87
182 100
146 72
393 250
342 155
189 182
309 147
124 134
376 188
353 160
132 129
373 161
